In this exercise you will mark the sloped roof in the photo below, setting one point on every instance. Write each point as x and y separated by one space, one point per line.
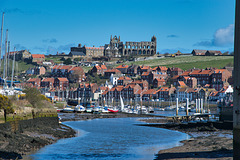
76 69
186 73
48 80
103 66
200 51
177 69
34 79
160 80
122 66
145 67
150 91
181 83
38 56
145 73
66 67
124 78
113 70
63 79
163 89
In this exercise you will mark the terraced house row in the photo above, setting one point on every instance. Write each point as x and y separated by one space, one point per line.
136 82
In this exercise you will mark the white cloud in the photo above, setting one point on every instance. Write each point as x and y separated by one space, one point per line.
224 36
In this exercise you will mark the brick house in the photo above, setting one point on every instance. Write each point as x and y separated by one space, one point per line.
85 91
191 82
36 71
142 69
160 69
132 70
148 94
79 72
98 69
165 93
109 72
142 83
20 55
148 76
129 90
34 81
158 82
123 81
61 83
203 76
38 58
184 93
47 83
61 70
174 71
219 77
123 68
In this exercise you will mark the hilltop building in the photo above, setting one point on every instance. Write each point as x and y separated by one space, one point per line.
83 51
116 48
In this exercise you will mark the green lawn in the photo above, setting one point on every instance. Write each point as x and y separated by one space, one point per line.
188 62
18 67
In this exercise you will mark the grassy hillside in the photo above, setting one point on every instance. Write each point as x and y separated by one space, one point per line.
188 62
20 66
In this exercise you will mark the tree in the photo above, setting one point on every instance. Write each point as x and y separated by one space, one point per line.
6 105
33 96
225 53
75 76
67 61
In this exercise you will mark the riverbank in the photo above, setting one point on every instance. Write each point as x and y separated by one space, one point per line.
19 138
88 116
208 141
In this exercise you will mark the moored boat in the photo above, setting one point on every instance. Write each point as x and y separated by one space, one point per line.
67 109
113 110
79 108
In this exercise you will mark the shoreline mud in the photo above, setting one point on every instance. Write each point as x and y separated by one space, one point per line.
21 138
208 141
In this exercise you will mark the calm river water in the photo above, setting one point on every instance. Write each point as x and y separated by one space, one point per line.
110 139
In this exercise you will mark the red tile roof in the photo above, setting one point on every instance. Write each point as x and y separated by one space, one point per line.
122 66
66 67
163 89
76 69
103 67
63 79
124 78
145 73
48 80
181 83
34 79
38 56
150 91
113 70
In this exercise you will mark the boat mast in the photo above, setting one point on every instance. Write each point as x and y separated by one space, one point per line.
1 40
5 60
8 69
13 64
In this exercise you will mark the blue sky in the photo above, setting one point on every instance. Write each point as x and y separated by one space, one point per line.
48 26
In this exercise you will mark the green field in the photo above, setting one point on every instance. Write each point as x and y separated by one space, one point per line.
188 62
20 66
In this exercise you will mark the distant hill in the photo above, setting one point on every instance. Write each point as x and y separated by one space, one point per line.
188 62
